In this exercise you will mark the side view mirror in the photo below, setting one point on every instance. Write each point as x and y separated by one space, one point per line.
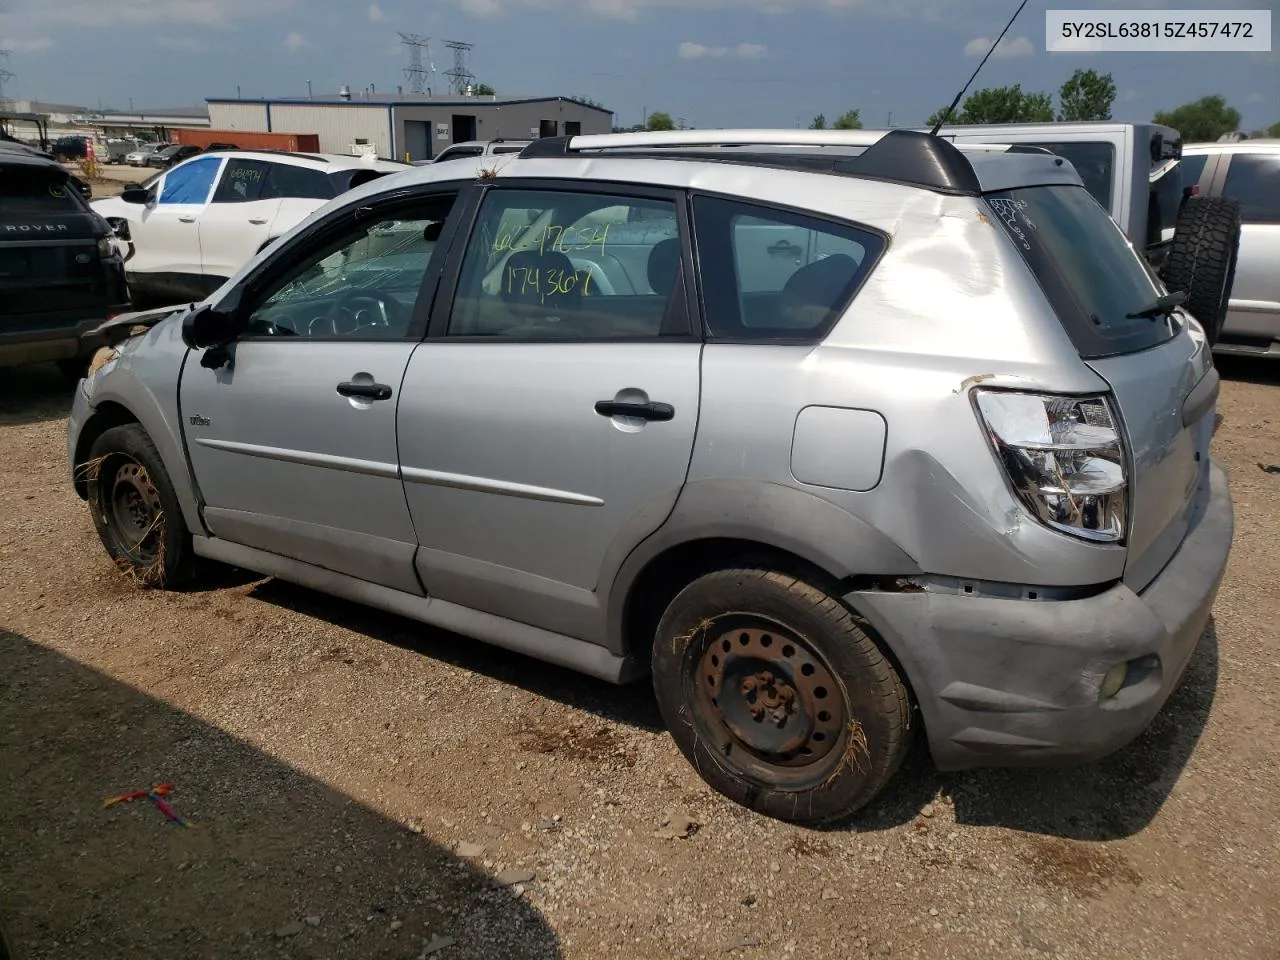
206 327
135 195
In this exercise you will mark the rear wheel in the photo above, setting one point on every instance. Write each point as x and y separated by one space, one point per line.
135 509
778 697
1202 258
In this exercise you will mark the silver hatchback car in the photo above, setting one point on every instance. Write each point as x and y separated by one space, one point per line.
839 436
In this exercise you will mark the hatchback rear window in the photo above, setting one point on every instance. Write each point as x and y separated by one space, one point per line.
1095 161
35 191
1090 273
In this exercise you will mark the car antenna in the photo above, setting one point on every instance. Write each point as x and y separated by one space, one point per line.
946 114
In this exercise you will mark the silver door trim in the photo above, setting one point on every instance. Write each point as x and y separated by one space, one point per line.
372 468
461 481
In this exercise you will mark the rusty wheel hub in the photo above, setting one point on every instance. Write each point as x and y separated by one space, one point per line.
771 692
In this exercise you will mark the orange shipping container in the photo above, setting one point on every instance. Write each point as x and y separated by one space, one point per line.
250 140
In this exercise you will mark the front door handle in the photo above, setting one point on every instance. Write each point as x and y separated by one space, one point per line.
642 411
257 221
186 219
366 391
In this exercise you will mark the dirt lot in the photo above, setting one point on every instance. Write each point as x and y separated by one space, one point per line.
361 786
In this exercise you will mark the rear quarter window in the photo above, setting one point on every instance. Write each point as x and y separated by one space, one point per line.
1094 161
1254 180
776 275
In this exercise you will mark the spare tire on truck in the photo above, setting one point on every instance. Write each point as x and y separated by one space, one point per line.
1202 258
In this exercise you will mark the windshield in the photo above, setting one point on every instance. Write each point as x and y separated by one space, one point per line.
1088 270
35 191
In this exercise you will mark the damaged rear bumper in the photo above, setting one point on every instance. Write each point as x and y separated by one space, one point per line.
1015 681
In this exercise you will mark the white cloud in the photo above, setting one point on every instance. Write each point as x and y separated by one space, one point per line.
697 51
750 51
26 46
376 14
295 42
181 43
484 9
1254 97
1008 49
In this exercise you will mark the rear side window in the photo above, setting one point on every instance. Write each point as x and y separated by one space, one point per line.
1192 167
288 180
190 182
1095 162
770 274
455 153
1087 269
35 191
241 181
1254 180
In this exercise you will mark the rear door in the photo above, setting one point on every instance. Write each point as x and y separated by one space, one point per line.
300 191
1094 280
1254 180
548 421
237 222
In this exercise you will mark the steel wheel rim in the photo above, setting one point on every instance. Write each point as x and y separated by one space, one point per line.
768 701
133 511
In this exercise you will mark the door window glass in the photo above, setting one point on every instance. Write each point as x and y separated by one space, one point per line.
190 182
777 275
362 285
1192 166
559 265
1254 180
290 180
241 181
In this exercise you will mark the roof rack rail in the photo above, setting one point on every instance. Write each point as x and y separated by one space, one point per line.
903 156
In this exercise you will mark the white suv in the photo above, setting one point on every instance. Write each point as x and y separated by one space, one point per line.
186 230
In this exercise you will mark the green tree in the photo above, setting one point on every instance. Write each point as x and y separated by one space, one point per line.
1004 105
848 121
589 101
1273 130
819 122
1087 95
484 90
1203 120
660 121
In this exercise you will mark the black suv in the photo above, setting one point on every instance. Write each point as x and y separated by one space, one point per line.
167 157
60 272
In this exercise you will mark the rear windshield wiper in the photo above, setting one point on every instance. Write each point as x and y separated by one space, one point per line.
1161 307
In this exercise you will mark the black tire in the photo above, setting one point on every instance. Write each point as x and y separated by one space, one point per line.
778 697
1202 258
135 509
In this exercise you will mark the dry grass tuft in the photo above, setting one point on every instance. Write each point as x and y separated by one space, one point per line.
855 748
687 638
90 469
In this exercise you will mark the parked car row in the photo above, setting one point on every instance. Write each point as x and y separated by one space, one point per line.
915 443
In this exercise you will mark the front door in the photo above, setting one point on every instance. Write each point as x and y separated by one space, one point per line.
166 232
293 444
548 421
1254 180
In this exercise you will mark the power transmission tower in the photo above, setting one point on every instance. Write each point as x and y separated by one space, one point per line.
416 73
459 77
5 75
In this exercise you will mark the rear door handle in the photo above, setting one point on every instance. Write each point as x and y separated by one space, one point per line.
258 221
642 411
366 391
187 219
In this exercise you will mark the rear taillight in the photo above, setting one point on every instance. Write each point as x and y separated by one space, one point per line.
105 247
1064 458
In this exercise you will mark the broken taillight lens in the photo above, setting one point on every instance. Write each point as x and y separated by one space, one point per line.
1064 458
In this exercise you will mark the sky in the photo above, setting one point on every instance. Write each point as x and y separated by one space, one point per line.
714 63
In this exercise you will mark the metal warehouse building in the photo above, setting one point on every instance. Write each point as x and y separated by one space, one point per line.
416 126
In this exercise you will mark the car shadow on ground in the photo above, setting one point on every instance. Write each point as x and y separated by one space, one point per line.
1104 800
33 394
275 864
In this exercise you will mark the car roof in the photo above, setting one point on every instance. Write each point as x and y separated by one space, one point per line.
19 158
1267 145
324 162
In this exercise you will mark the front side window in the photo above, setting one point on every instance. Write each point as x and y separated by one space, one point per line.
241 181
190 183
361 285
545 264
1254 180
771 274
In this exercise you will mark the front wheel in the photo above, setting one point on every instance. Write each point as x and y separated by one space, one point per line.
135 509
778 697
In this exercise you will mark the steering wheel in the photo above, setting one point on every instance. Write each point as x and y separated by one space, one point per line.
357 309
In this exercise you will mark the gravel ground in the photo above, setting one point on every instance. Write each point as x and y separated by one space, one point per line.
362 786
